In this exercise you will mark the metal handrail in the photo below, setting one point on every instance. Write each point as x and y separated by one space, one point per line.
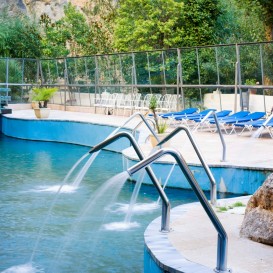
222 235
213 191
138 125
219 132
165 221
221 137
143 120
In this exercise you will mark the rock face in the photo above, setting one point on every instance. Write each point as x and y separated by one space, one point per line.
13 6
258 220
35 8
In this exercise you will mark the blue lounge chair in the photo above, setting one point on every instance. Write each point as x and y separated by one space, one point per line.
226 123
205 121
257 124
220 114
188 111
193 116
237 115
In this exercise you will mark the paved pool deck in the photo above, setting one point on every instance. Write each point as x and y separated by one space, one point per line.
192 233
241 151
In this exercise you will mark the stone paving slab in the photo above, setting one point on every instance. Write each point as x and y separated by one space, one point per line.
194 236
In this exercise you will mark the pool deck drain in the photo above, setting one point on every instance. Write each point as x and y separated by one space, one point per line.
193 235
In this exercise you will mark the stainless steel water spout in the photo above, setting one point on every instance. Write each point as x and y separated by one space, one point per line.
165 220
213 190
222 236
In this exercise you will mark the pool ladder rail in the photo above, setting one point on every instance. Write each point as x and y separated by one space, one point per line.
222 246
213 189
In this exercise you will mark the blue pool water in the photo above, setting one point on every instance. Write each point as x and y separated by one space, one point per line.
29 171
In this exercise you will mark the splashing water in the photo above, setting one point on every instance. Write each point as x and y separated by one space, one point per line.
23 268
56 188
74 185
138 208
114 185
120 226
134 197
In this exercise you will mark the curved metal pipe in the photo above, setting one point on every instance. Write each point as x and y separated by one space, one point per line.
143 120
222 236
213 190
221 137
166 207
147 119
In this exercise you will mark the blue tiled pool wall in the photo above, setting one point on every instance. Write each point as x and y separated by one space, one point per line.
0 123
149 263
81 133
228 179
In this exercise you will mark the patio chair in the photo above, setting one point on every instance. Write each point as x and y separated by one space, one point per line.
256 124
230 123
164 104
205 121
188 119
144 104
187 111
221 120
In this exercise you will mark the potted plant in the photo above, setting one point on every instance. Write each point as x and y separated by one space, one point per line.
42 95
160 124
251 82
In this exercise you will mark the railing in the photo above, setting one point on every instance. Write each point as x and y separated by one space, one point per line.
213 190
173 71
221 265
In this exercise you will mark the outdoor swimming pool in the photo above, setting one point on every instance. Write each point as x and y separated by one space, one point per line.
31 173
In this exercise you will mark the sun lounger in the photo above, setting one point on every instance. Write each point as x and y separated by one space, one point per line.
205 121
188 111
256 124
189 119
237 115
193 116
228 123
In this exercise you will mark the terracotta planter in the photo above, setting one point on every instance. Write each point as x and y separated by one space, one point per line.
34 104
42 112
160 137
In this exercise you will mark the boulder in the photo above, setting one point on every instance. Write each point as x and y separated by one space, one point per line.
258 221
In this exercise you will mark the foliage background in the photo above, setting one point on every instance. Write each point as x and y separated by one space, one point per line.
105 26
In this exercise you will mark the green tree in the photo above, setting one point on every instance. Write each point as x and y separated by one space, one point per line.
239 23
74 34
145 24
200 21
265 12
19 37
53 38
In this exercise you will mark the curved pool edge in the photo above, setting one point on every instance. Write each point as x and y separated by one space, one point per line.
229 179
64 131
160 256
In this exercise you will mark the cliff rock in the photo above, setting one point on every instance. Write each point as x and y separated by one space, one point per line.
258 221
